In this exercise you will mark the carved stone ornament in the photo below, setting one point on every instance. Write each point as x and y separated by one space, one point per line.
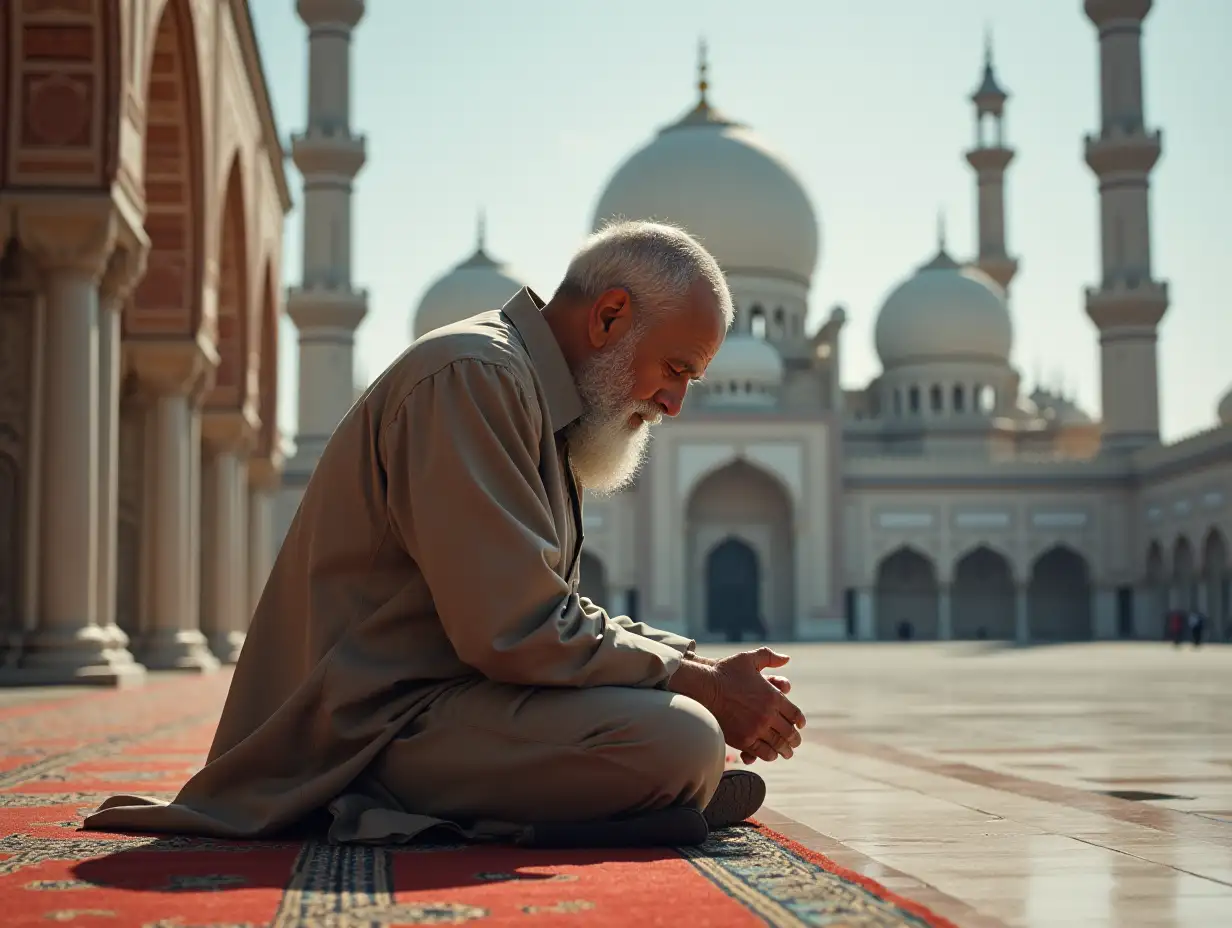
125 268
172 365
68 234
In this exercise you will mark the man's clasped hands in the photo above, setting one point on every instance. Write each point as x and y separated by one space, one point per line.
752 708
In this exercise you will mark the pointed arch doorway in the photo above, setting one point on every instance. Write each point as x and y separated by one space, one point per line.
733 591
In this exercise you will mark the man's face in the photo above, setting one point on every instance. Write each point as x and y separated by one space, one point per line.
639 375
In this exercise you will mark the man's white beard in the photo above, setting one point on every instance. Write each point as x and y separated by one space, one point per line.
605 450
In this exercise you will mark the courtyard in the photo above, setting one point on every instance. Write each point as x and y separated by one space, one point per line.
1014 786
1036 787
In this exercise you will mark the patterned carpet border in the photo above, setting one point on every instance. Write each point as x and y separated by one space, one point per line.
60 757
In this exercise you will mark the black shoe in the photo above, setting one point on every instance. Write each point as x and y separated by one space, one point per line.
740 794
674 827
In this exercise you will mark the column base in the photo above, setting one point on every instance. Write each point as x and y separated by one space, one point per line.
119 676
177 649
227 646
82 656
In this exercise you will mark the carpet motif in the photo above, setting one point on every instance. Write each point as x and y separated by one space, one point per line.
61 757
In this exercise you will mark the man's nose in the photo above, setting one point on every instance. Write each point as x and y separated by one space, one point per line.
670 401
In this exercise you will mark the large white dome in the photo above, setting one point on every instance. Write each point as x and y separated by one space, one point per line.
719 181
478 284
945 313
1224 410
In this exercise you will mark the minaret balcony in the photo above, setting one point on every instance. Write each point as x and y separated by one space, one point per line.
322 150
1120 150
992 160
1127 302
330 12
317 306
1106 12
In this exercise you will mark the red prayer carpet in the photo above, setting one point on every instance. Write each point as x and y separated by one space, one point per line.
60 757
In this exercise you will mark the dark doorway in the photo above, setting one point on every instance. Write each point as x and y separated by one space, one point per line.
733 591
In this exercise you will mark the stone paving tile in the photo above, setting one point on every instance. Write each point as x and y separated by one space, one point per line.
975 778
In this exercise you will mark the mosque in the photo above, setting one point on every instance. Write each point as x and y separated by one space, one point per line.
145 486
937 501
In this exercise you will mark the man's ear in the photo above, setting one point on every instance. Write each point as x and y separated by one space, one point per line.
610 316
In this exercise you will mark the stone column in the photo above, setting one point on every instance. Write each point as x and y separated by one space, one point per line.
68 644
945 621
224 536
172 373
262 490
866 617
1022 615
124 270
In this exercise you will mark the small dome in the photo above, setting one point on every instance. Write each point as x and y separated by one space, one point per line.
1224 410
718 180
477 285
945 313
746 359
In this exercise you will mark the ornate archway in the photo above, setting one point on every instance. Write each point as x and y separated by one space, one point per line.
234 381
982 596
733 591
907 597
1059 596
1184 574
167 301
741 500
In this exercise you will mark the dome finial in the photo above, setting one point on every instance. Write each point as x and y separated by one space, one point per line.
702 66
988 46
941 230
481 231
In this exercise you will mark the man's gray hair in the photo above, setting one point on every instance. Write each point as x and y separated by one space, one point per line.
656 262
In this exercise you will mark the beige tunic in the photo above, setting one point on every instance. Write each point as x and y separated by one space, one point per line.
437 541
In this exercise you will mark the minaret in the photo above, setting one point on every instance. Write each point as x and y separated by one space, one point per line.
326 308
990 157
1128 304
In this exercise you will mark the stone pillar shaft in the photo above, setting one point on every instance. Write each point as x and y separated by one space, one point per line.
174 640
69 567
225 556
260 543
70 644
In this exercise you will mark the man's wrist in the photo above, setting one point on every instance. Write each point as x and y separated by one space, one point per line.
693 679
698 659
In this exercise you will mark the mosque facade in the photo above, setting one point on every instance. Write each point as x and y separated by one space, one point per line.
937 501
142 201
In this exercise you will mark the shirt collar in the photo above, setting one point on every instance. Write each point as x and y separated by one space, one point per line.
564 401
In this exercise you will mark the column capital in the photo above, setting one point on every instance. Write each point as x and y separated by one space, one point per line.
229 430
68 233
125 268
172 365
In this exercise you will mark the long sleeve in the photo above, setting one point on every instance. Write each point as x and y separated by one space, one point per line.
676 642
466 496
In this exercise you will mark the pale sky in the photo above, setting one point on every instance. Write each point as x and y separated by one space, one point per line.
526 109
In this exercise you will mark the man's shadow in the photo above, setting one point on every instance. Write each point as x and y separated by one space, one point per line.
201 864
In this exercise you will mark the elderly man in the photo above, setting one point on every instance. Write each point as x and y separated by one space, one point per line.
421 657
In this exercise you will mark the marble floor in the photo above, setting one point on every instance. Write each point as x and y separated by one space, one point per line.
1086 785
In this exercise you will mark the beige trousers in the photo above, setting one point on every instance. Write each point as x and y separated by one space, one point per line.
518 754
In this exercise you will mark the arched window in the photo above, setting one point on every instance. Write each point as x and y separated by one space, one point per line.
935 399
757 321
913 401
960 398
780 322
